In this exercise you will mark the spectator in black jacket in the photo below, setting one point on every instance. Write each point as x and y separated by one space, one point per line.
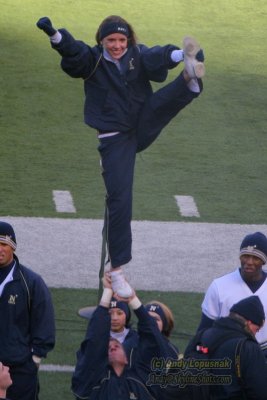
27 327
120 327
121 106
245 319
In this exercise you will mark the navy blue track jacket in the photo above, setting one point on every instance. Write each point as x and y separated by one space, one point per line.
114 98
94 379
27 323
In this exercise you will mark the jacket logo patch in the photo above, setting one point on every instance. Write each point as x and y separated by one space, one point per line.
12 299
132 396
131 65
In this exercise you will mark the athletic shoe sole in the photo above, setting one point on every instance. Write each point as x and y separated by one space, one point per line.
195 68
190 46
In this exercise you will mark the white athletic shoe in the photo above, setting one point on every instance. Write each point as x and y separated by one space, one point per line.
194 68
120 285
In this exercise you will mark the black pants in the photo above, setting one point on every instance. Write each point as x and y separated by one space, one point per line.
118 155
25 384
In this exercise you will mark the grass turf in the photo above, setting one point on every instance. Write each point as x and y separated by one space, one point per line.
214 150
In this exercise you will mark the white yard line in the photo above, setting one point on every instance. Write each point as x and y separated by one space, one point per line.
63 201
56 368
187 206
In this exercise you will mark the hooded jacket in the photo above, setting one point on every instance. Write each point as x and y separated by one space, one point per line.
252 362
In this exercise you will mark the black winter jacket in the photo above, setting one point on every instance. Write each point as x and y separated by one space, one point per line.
252 361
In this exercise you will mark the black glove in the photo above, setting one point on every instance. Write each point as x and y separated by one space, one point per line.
46 25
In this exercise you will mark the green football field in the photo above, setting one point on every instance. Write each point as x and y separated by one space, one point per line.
214 151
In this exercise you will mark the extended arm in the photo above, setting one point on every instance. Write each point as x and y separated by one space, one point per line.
157 61
78 60
92 357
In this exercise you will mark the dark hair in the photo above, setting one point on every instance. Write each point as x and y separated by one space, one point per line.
132 40
242 321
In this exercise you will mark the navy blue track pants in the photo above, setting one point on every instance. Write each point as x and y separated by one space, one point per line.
118 155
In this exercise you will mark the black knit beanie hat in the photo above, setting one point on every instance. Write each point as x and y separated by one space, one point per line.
158 310
255 244
122 306
251 309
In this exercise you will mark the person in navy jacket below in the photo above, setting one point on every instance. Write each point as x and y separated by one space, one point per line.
27 327
103 370
120 325
127 115
5 381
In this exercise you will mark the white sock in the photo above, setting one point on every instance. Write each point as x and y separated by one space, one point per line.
115 272
193 86
56 38
177 55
